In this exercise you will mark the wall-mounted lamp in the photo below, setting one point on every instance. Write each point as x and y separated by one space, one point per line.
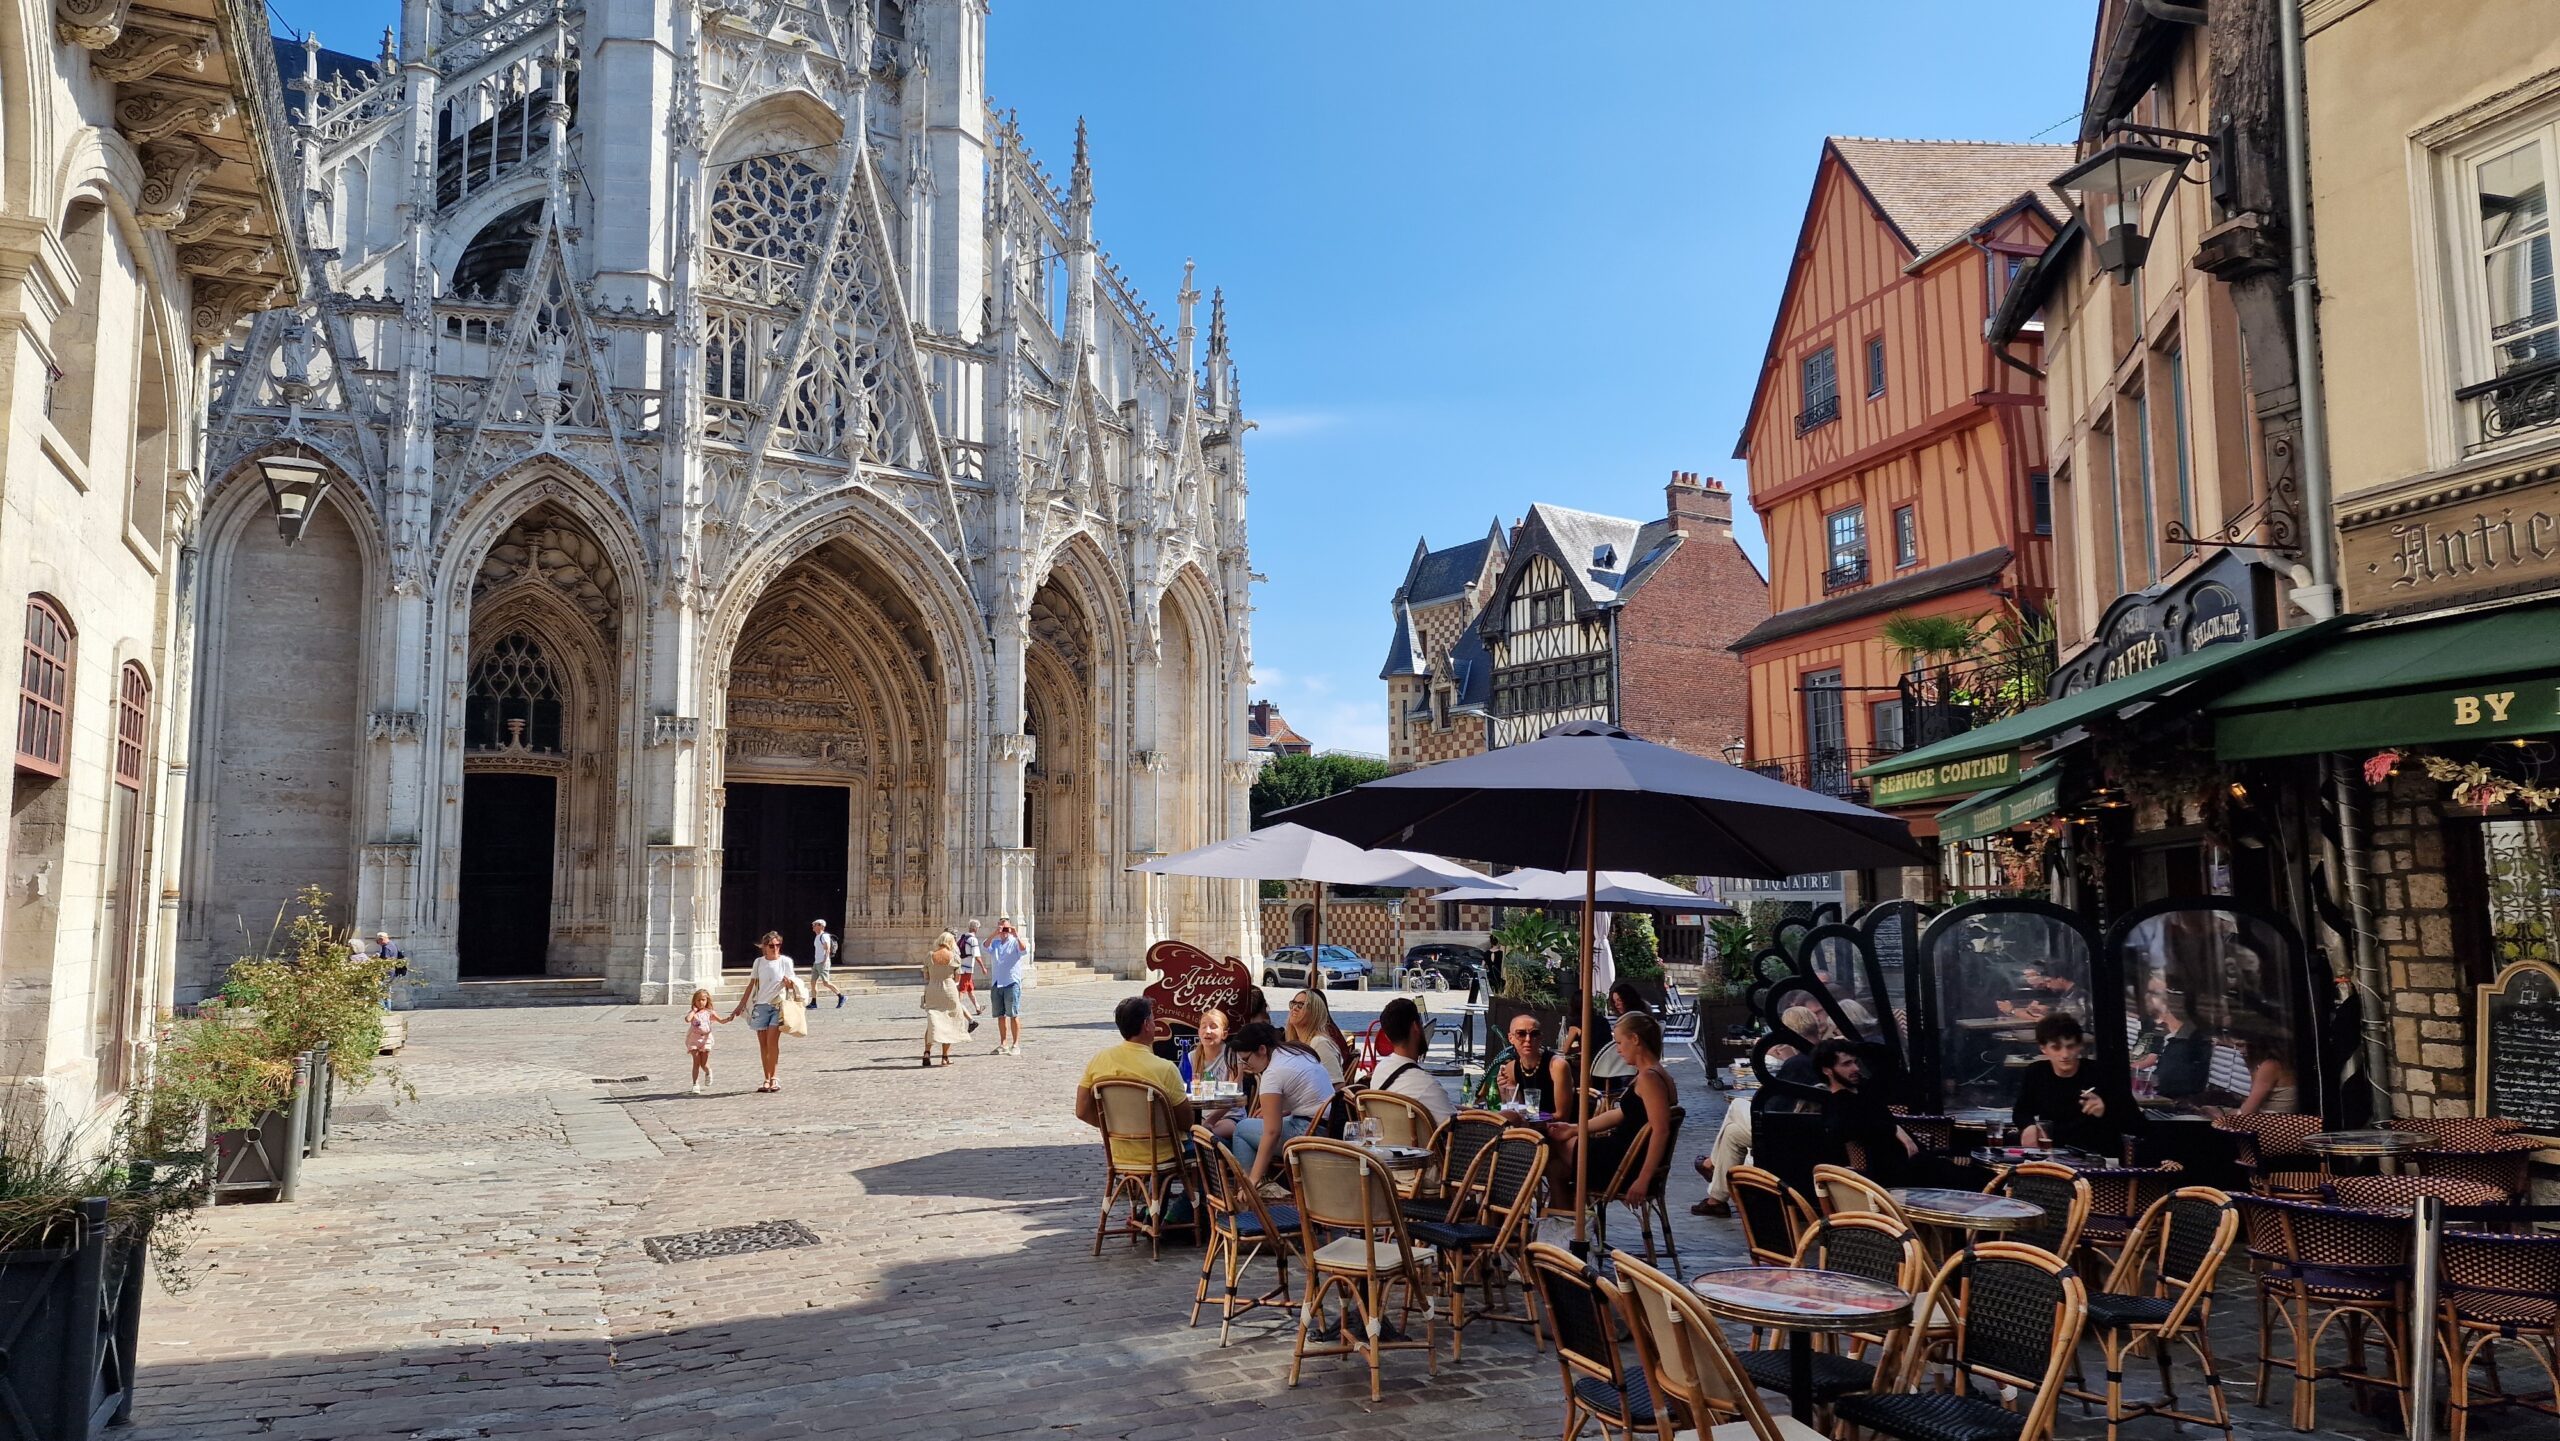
2105 193
295 484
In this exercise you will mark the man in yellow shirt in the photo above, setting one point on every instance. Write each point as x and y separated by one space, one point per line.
1134 1059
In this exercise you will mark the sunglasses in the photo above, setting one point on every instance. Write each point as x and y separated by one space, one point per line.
1524 1035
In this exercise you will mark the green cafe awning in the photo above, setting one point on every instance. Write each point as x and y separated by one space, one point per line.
1941 769
2036 795
2491 675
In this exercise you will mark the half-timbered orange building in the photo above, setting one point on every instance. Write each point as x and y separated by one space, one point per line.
1896 459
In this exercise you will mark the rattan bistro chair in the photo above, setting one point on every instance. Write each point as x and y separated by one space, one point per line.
1402 1121
2456 1132
1241 1225
1859 1243
1455 1149
2390 1193
1774 1216
1485 1242
1696 1380
1656 1200
2017 1312
1600 1384
2324 1266
1837 1189
2118 1197
2500 1288
1136 1118
2060 1191
2161 1292
1343 1189
2502 1163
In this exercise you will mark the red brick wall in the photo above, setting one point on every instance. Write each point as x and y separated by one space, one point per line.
1679 681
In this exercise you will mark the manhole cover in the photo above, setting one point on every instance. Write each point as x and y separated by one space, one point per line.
730 1241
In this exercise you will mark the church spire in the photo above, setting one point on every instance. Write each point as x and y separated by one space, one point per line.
1222 369
1080 187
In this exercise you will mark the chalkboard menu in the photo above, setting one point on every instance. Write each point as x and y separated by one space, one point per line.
2520 1047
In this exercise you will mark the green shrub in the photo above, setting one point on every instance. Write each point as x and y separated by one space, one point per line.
1632 946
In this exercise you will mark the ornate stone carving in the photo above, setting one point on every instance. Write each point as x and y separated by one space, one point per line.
394 725
90 24
673 730
192 223
139 53
1154 763
158 114
224 261
1010 748
548 548
219 306
1243 774
785 706
171 171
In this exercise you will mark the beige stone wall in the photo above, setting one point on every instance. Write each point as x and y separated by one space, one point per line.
2430 1003
2393 86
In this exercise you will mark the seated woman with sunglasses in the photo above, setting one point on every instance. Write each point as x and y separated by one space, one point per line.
1525 1072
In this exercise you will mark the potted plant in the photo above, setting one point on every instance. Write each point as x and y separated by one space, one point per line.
79 1211
1533 947
1728 1005
1638 954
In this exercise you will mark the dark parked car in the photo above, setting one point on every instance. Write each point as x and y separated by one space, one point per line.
1442 967
1288 967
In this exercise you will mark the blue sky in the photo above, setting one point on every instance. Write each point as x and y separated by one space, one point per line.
1477 253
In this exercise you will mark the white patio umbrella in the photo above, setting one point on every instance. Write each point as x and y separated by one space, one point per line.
1289 852
1610 890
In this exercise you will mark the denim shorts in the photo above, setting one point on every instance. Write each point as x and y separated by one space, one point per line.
1005 1001
764 1017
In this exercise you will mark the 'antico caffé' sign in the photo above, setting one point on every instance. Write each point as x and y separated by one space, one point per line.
2492 536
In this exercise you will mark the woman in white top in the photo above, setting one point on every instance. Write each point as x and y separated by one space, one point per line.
770 980
1293 1091
1311 1026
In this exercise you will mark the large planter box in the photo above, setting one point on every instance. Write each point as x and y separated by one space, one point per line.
69 1317
263 1162
1716 1021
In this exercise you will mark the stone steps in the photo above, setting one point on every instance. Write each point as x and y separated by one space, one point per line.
527 991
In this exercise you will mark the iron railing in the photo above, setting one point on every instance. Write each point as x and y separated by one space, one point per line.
1822 412
1959 695
2524 399
1830 772
1847 575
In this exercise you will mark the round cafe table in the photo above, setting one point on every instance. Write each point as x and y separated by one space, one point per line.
2382 1147
1938 1209
1801 1302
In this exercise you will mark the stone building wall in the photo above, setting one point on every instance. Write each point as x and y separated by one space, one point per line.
2431 999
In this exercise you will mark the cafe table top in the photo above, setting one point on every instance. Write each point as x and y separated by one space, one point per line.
1799 1299
1966 1210
1398 1158
2362 1143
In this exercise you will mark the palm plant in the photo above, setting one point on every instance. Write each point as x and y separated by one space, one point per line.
1923 638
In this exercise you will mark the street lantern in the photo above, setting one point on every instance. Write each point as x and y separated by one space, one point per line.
295 484
1733 751
2105 194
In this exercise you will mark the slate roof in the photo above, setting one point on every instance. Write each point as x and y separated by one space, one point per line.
1936 191
1400 648
1433 576
334 65
1976 569
1606 555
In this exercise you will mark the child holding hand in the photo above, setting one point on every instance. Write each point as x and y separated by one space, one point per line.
697 1038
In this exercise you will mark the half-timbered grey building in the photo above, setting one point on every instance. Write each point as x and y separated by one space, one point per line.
751 497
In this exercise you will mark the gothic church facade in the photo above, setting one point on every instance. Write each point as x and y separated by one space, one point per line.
752 498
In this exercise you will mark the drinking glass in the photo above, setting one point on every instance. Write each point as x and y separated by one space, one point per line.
1370 1132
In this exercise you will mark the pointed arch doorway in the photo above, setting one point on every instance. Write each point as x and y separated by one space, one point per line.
783 865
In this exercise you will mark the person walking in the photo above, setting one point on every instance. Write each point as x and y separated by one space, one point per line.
1008 967
768 982
970 946
944 1020
822 963
698 1024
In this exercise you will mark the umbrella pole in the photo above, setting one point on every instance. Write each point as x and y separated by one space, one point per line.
1582 1054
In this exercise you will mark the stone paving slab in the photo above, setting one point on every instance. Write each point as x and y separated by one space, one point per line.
470 1264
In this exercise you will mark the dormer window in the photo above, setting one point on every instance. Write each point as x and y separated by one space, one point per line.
1604 556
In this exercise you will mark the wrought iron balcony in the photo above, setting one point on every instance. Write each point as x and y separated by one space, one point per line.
1831 772
1947 700
2523 400
1820 413
1847 575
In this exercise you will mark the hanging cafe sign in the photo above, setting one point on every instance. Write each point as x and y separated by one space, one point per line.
2215 606
1947 778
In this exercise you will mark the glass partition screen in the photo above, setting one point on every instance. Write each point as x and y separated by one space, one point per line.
2212 1014
1997 972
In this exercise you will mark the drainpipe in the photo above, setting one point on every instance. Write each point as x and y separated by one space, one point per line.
2319 521
2356 859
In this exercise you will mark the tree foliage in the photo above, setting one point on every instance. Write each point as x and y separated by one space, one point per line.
1295 780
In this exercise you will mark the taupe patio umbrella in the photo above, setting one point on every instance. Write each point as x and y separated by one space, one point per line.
1294 853
1587 795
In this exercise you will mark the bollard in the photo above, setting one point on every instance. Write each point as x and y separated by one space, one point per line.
2426 1260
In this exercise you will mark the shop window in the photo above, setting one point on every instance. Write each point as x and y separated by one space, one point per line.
44 691
2520 861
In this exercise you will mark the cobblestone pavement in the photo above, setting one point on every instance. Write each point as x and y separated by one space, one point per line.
470 1264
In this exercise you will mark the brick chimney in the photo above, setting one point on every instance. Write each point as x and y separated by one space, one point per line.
1701 508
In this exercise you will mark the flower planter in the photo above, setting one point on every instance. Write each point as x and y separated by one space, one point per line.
69 1316
263 1162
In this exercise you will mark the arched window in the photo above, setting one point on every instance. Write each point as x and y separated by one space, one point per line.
44 691
133 726
515 698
